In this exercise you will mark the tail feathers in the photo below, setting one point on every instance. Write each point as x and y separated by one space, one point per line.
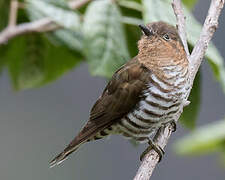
62 156
87 132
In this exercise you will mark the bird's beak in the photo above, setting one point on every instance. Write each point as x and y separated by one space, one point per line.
145 30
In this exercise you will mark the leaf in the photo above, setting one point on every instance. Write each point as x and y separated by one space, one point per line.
133 35
189 3
72 38
208 138
3 49
58 61
25 62
62 16
128 11
131 20
32 61
193 28
4 11
223 155
104 45
189 116
131 5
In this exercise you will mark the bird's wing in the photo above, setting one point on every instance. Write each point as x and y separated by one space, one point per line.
119 97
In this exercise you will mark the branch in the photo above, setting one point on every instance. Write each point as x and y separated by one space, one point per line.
12 31
41 25
210 25
178 11
152 158
13 13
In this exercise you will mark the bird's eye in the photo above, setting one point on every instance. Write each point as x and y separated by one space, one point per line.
166 37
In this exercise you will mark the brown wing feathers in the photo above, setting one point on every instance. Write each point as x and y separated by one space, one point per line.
120 95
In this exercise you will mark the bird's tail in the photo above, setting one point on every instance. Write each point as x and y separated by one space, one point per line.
89 130
63 155
80 139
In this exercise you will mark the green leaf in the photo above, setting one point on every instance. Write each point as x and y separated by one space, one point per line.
131 20
131 5
189 116
3 49
223 155
72 38
64 17
4 11
25 62
105 45
133 35
208 138
58 61
189 3
127 11
33 61
193 27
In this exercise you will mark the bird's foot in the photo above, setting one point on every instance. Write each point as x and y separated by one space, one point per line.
174 124
154 146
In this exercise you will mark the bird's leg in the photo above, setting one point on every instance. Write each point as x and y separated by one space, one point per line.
174 124
153 145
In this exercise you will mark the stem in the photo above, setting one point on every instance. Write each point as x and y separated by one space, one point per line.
13 13
41 25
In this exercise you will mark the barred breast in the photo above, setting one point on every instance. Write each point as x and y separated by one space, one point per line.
160 103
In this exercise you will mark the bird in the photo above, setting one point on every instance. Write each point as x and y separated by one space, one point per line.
143 95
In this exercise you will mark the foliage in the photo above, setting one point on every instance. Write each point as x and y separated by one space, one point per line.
104 45
33 61
208 138
4 5
105 34
189 3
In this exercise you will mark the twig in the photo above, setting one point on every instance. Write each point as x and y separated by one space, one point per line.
21 5
11 32
209 27
176 4
211 23
151 159
13 13
41 25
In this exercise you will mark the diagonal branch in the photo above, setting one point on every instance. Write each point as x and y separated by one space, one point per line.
41 25
211 23
151 159
209 27
178 11
12 31
13 13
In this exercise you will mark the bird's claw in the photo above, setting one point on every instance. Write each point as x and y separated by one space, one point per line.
173 123
154 146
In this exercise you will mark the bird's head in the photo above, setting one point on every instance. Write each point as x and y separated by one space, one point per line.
160 45
159 36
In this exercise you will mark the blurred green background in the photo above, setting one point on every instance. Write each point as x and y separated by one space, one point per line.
50 80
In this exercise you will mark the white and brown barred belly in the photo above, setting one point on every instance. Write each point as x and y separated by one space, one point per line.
160 103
